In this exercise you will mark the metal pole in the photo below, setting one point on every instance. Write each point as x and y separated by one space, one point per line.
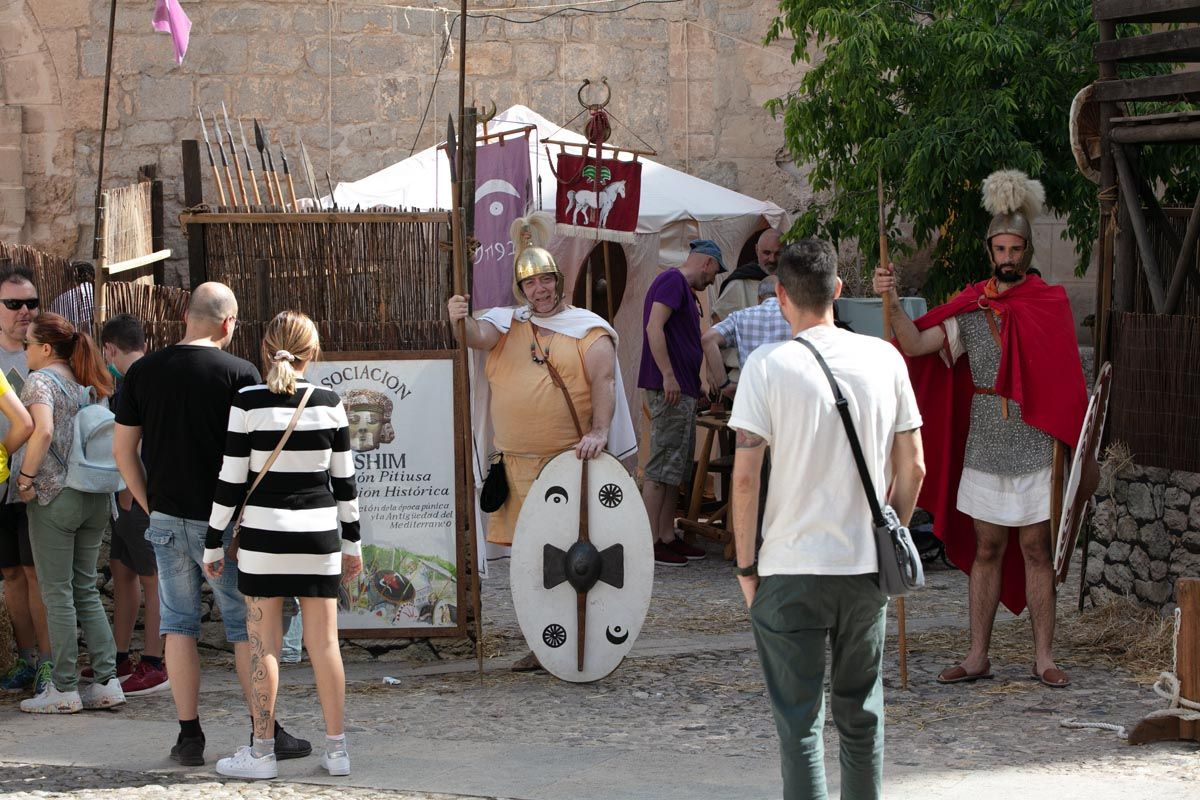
112 24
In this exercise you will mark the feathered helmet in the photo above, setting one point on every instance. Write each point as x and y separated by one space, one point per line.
1014 200
530 234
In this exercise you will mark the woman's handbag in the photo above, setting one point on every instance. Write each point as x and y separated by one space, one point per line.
231 551
495 487
900 568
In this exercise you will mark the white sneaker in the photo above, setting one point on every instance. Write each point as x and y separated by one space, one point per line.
336 763
103 695
243 764
51 701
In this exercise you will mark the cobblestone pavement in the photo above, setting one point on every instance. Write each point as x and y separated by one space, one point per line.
693 686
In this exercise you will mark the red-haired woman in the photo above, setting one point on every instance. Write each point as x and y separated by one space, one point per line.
66 525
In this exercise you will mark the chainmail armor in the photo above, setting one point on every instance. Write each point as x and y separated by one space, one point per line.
996 445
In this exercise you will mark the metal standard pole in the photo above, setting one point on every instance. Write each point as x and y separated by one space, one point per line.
112 24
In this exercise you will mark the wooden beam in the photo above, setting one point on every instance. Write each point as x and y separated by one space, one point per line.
1187 669
1137 221
1175 86
1146 10
140 261
1164 46
1184 260
1160 133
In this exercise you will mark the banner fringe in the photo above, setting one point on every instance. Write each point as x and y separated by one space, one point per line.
599 234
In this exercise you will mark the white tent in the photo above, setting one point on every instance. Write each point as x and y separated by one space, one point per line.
675 208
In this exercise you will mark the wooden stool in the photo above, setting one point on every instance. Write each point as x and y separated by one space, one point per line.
712 424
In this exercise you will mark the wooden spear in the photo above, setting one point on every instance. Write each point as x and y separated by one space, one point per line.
212 162
885 263
249 163
233 154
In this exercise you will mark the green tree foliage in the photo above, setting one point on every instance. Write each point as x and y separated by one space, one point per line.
937 94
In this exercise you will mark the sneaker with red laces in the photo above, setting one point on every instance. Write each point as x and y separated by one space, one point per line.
688 551
146 680
665 556
124 670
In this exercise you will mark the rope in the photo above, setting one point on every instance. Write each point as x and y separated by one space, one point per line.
1166 686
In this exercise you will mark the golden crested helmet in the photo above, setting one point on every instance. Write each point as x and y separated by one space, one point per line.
1014 201
530 235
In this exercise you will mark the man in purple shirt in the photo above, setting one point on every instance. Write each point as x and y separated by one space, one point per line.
670 374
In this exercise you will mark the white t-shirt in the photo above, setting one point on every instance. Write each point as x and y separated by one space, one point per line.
818 521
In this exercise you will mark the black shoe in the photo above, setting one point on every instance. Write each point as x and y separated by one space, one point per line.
288 746
188 750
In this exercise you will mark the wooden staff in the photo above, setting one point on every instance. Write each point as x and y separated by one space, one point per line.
224 161
264 155
249 163
460 281
885 263
233 153
287 173
212 162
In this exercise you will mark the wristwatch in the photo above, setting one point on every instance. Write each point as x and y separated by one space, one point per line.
746 572
728 380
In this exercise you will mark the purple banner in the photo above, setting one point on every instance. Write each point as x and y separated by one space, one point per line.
502 189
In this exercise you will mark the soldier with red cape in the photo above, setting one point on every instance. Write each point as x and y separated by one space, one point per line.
998 379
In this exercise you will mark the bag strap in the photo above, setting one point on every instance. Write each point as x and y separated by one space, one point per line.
62 387
275 453
557 378
843 407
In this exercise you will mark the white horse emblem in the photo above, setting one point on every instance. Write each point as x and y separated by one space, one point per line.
582 201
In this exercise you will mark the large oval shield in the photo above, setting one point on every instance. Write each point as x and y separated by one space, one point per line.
1084 476
550 566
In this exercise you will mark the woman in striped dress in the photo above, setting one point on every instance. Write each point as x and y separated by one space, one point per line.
289 541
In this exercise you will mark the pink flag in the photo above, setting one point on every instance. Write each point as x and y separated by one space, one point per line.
169 17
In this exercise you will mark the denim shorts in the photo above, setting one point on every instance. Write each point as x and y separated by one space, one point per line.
179 549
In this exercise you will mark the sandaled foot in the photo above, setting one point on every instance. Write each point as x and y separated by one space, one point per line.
958 674
527 664
1053 677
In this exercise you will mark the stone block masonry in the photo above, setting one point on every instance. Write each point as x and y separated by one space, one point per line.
353 79
1145 536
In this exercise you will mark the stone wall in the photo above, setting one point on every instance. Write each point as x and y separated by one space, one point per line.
354 78
1145 535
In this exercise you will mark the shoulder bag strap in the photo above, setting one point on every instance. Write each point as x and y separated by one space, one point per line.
62 387
843 408
558 381
274 455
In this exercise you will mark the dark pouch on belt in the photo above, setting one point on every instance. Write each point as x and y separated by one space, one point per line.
495 487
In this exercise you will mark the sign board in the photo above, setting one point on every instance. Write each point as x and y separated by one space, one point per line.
407 443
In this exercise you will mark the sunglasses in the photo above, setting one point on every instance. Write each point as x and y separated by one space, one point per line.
15 304
31 343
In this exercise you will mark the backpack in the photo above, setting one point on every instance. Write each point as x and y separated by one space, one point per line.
90 464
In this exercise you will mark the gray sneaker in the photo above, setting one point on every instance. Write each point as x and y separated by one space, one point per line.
336 762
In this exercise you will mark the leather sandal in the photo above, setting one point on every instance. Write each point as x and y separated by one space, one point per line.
958 674
1053 677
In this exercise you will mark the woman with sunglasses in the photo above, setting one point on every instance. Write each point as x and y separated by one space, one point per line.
66 525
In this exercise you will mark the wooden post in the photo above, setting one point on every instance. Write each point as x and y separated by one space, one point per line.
193 195
1108 179
1187 668
1138 222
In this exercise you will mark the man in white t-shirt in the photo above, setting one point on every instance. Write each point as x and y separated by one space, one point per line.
816 577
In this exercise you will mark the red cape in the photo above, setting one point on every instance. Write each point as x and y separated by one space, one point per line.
1039 369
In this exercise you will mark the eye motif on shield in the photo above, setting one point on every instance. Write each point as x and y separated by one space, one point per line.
616 634
556 495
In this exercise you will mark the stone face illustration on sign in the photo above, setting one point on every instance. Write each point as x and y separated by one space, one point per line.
595 567
400 413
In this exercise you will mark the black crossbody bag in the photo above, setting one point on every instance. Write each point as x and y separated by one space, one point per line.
900 569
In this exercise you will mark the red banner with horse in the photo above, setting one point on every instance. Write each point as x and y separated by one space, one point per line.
598 198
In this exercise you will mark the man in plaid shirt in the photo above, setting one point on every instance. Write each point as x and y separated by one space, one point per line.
746 330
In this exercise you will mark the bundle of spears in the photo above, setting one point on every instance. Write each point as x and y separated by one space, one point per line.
240 190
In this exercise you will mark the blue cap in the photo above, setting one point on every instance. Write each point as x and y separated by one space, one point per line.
709 248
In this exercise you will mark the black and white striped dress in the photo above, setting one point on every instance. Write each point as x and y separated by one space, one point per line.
290 544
